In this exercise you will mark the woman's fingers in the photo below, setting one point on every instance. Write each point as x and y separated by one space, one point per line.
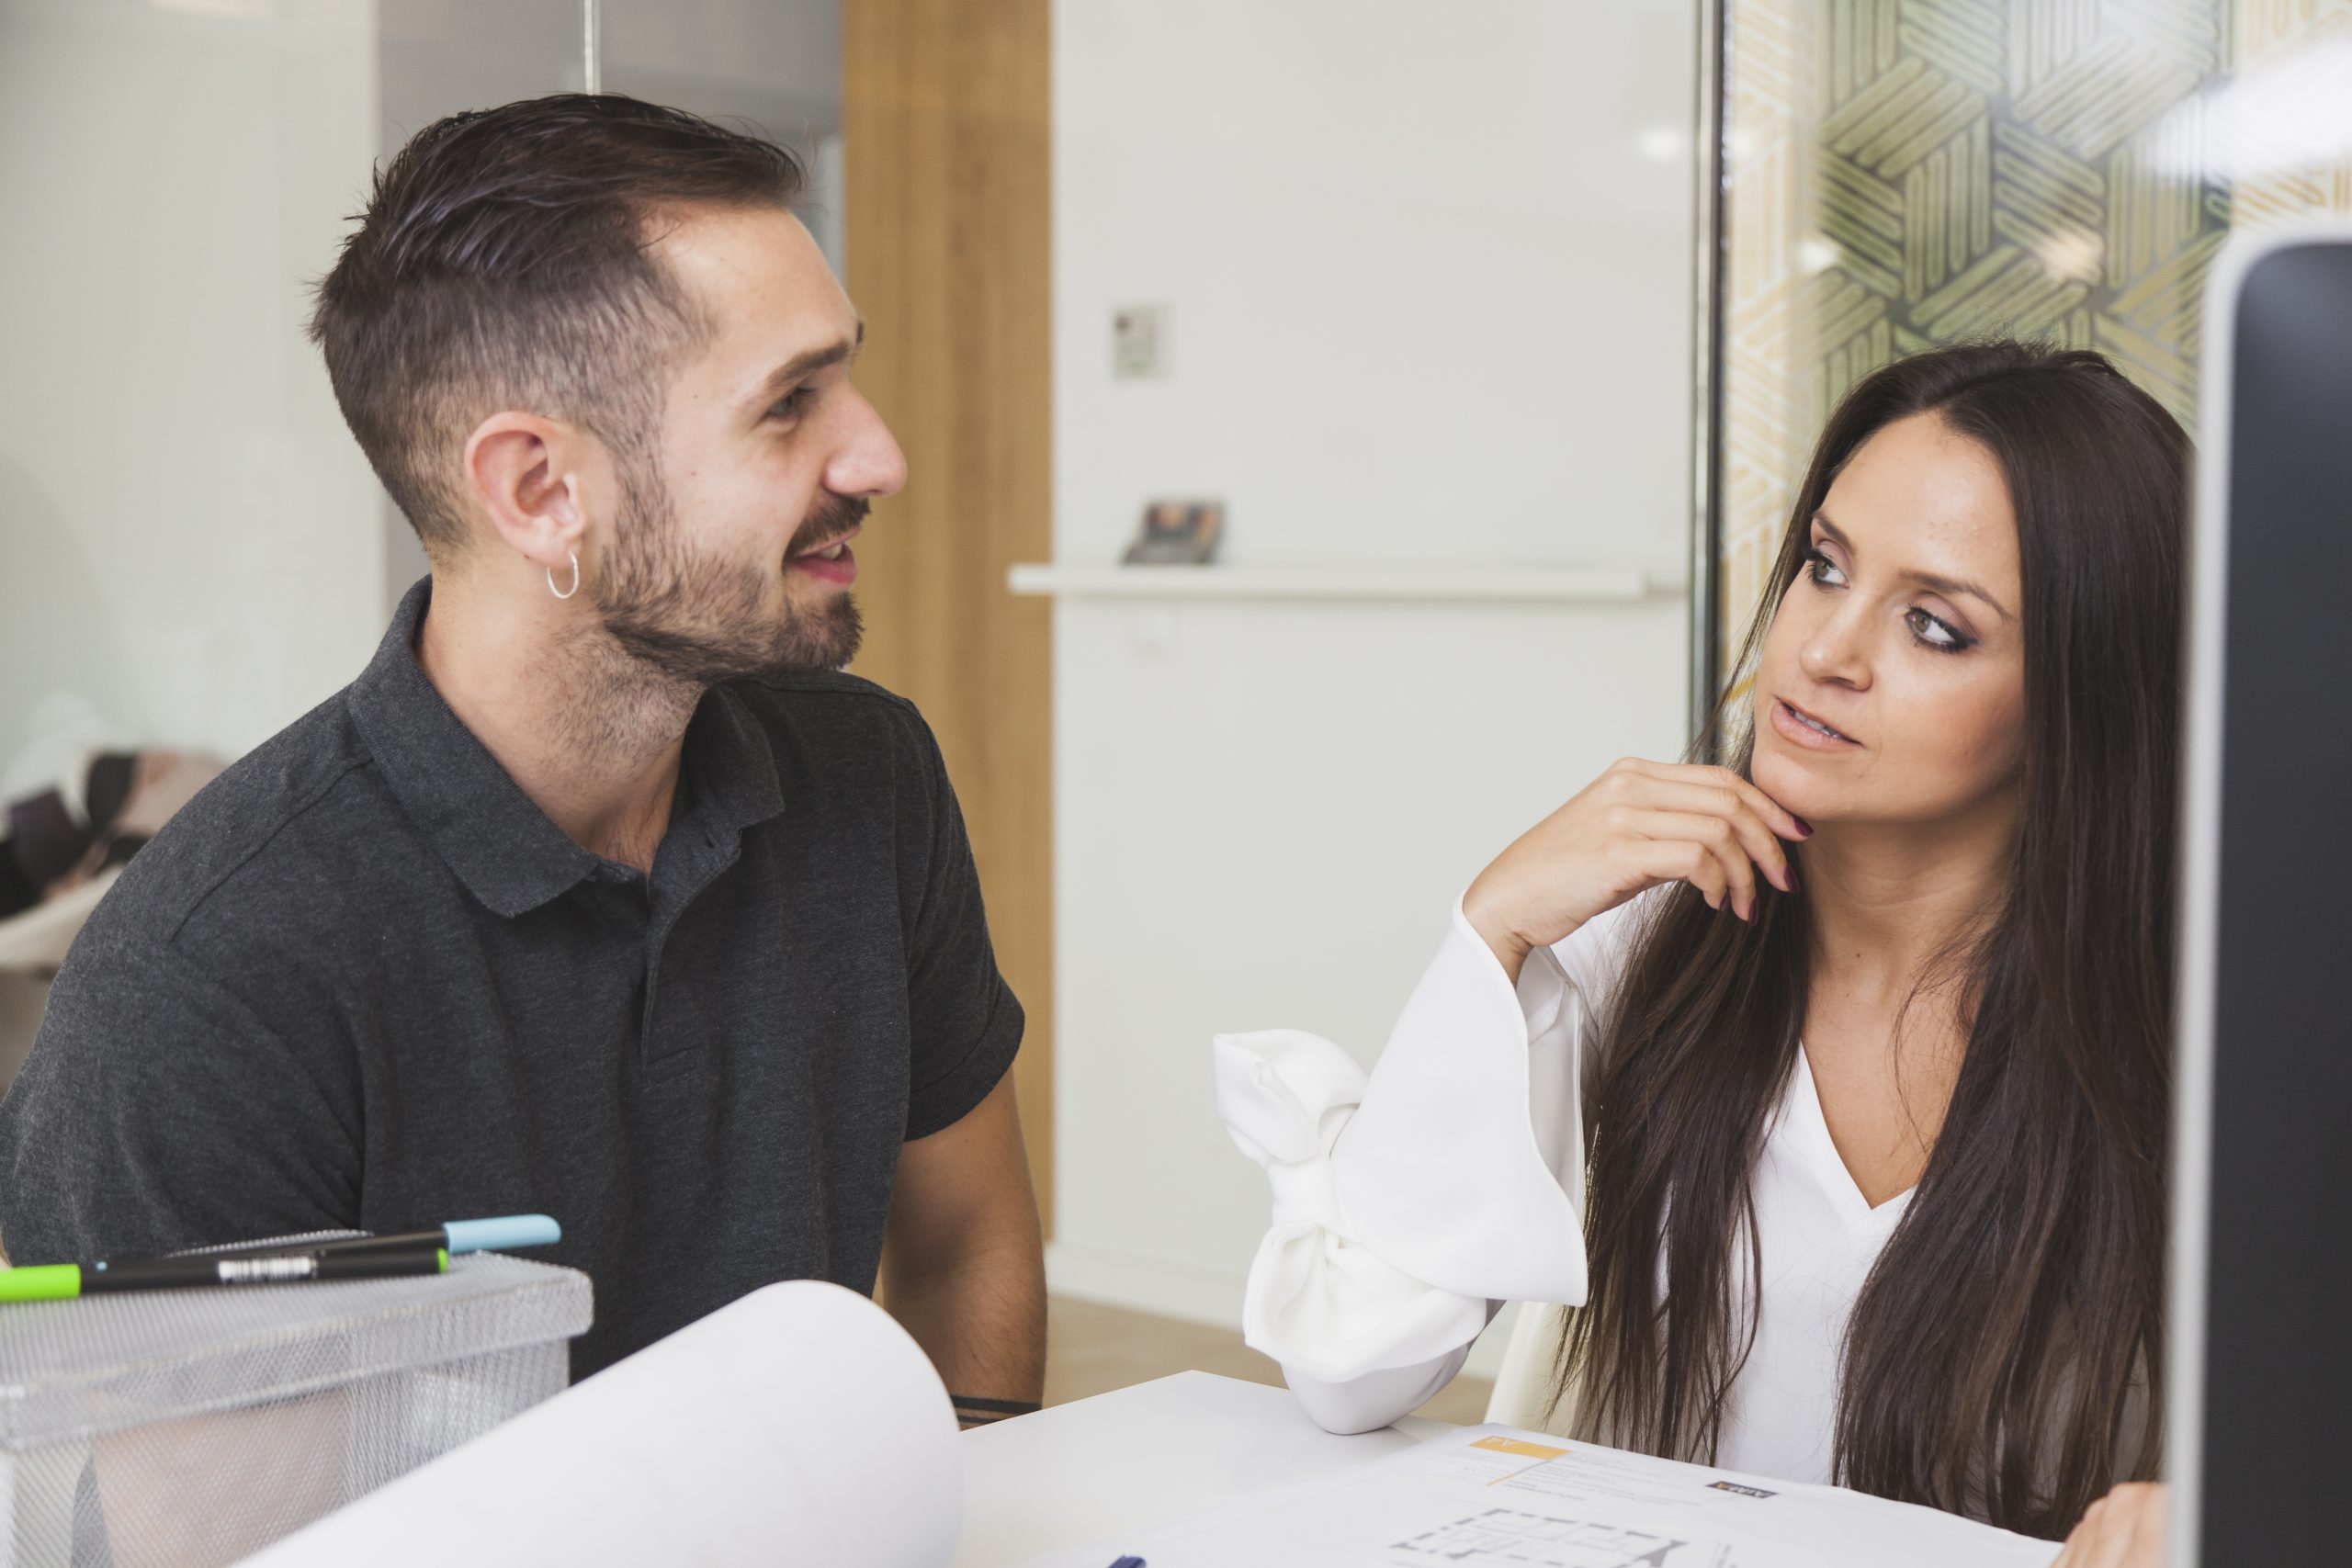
2123 1529
2144 1506
1779 818
2090 1544
1679 860
1755 835
1785 822
1722 840
1639 823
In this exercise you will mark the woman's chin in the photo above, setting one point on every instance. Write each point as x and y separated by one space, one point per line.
1790 783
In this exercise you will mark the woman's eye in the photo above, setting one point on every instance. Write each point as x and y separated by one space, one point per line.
1933 633
1823 570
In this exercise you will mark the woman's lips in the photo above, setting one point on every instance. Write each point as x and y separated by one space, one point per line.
1786 721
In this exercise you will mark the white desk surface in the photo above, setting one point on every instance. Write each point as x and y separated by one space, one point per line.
1140 1455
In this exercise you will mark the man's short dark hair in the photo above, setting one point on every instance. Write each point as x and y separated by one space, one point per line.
505 261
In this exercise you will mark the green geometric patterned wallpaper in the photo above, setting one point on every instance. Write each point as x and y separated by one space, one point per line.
1905 173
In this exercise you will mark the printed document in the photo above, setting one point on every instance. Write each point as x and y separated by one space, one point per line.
1494 1497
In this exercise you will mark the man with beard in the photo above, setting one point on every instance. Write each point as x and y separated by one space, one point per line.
601 892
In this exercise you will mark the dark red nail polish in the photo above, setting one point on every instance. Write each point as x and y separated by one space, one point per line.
1805 826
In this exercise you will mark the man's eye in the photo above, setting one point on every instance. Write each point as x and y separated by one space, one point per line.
793 403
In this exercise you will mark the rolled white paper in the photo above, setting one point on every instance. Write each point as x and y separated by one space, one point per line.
800 1424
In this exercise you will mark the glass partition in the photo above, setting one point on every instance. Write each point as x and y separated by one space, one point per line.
1899 174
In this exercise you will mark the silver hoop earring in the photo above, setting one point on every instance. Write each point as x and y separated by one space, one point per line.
566 593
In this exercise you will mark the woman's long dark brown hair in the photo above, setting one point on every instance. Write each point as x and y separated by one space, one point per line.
2017 1309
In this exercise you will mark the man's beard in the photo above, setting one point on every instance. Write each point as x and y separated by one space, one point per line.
700 621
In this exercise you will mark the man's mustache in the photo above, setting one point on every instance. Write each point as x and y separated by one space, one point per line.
834 516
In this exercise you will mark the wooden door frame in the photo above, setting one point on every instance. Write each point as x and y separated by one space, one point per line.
946 123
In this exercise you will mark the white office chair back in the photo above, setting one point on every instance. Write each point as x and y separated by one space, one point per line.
1524 1384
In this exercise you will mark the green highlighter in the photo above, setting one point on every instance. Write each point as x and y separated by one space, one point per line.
64 1282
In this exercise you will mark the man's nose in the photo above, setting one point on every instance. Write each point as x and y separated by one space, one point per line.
868 462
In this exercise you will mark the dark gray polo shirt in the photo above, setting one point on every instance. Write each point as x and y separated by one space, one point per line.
362 981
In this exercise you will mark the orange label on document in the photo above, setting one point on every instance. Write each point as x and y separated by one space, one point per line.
1513 1446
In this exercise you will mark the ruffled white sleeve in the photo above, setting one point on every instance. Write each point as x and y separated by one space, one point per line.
1410 1202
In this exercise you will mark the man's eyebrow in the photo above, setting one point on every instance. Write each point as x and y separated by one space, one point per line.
1923 578
808 362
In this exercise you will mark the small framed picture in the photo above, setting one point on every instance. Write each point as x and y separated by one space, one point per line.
1177 532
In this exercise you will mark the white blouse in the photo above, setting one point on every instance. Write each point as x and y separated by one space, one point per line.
1411 1204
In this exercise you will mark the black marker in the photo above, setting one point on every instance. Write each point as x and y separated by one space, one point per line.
64 1282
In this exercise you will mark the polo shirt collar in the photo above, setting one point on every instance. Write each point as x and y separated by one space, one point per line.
728 763
492 835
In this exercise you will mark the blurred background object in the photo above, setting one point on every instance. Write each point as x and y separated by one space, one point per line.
71 815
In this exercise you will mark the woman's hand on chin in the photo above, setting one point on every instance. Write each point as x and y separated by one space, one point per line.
2123 1529
1634 826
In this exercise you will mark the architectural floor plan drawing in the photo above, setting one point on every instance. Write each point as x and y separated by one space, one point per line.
1496 1497
1512 1536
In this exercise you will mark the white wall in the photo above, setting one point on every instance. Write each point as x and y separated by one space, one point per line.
1429 267
1428 271
188 537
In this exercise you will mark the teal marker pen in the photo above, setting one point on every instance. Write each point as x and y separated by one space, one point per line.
501 1235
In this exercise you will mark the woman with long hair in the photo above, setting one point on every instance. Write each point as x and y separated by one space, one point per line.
1831 1087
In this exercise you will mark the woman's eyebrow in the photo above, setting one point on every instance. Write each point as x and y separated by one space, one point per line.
1923 578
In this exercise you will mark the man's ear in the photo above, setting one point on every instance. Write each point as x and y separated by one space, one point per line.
525 473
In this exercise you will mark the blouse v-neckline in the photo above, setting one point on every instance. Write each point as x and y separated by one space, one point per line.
1811 1122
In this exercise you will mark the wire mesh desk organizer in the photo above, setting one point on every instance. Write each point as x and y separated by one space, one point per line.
191 1427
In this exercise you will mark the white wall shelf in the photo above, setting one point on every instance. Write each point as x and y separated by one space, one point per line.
1533 585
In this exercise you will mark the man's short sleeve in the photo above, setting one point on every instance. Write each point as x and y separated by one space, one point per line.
965 1021
158 1112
